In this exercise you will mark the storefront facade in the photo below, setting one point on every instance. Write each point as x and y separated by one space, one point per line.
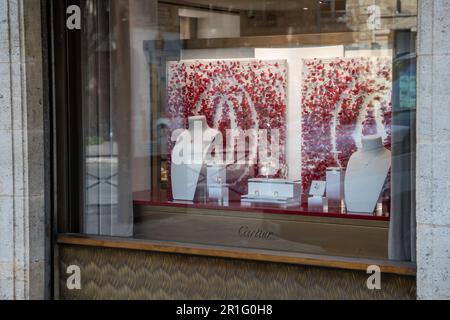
224 149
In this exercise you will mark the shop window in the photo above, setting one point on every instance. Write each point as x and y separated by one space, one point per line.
277 125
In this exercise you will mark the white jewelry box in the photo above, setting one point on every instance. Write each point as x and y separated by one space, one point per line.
272 191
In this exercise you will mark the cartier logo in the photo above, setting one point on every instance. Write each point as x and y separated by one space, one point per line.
246 232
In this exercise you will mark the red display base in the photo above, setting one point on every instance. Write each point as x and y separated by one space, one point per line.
146 198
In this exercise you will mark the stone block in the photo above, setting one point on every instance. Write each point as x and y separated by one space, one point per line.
425 32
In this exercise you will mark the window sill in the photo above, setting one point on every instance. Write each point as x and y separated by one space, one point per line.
399 268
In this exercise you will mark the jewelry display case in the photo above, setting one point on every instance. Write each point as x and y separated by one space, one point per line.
284 126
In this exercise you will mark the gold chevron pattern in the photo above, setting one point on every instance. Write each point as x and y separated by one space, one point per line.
124 274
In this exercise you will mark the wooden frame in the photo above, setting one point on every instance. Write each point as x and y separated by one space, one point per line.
407 269
68 152
294 40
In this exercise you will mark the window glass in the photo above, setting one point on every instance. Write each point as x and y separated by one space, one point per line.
284 125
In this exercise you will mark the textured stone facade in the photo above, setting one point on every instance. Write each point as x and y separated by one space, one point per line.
433 166
128 274
23 165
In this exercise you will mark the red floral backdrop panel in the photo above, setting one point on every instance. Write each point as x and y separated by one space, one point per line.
231 94
342 100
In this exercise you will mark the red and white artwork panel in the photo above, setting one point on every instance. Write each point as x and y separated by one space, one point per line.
231 94
343 99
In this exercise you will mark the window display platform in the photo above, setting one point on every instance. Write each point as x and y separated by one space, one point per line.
262 226
146 198
189 249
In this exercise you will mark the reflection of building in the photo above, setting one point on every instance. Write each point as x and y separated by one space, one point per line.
392 15
77 136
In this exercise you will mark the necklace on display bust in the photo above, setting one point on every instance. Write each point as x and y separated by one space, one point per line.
367 163
372 146
366 174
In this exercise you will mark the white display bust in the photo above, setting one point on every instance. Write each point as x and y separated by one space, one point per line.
190 156
366 175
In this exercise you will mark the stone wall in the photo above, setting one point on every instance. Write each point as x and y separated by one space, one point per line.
23 153
433 165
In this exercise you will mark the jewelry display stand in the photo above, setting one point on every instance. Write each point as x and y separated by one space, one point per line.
335 186
218 189
366 174
316 199
186 176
